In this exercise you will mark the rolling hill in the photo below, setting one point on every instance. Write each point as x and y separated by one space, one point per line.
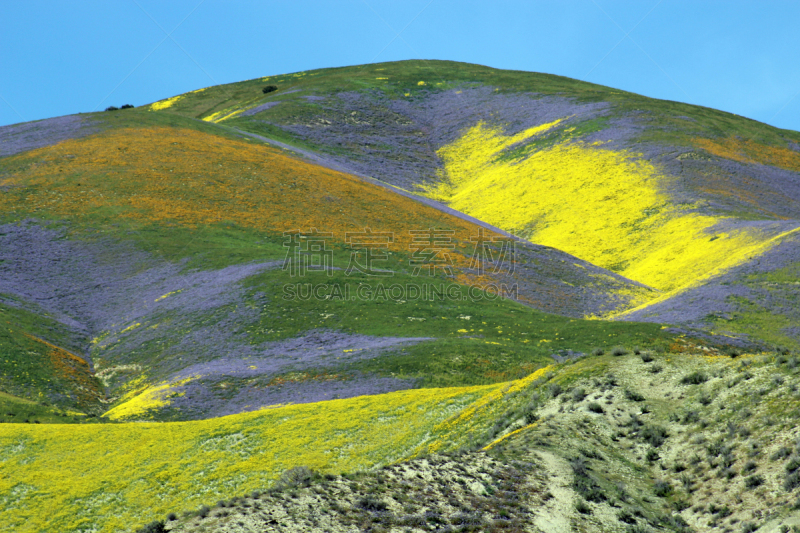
344 269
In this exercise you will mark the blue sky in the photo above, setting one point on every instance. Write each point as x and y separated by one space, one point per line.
61 57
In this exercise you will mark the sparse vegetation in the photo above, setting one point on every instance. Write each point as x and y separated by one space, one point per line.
754 481
633 395
662 488
695 378
654 435
595 408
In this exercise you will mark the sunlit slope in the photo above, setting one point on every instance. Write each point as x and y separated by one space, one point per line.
160 243
184 176
610 207
144 176
114 477
664 193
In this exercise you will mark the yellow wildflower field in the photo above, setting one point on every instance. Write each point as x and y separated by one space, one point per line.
608 207
114 477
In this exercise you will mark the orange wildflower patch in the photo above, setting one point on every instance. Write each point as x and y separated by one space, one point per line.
747 151
172 175
74 370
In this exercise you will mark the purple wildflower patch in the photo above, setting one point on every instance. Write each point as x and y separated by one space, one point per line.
216 397
30 135
259 109
396 140
154 318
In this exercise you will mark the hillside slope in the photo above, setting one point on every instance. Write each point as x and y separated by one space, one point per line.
156 244
413 296
666 194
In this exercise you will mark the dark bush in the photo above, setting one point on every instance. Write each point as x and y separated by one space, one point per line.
578 394
748 527
555 389
619 350
598 351
112 108
695 378
662 488
655 369
646 357
633 396
791 482
675 521
723 512
690 417
728 473
172 517
579 466
595 408
591 454
727 459
153 527
793 464
299 476
127 106
652 455
583 508
680 505
753 481
625 516
687 482
203 511
368 503
732 352
269 89
716 448
748 467
583 483
655 435
782 453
